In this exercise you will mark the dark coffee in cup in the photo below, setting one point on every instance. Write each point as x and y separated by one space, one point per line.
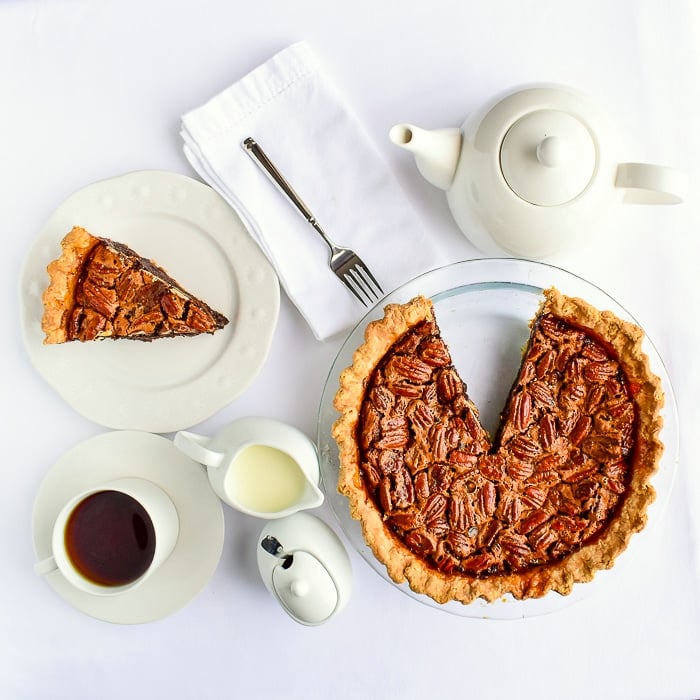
110 538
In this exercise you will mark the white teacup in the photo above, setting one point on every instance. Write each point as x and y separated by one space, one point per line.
112 537
258 466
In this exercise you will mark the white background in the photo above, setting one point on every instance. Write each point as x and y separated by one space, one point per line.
89 90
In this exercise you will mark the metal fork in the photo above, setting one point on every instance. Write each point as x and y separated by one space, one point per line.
346 264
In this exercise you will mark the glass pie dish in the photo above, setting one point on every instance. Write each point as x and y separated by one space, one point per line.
484 308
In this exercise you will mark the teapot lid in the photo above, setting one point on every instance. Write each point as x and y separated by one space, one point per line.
548 157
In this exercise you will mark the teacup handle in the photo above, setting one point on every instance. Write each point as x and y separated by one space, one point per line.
650 184
45 566
195 447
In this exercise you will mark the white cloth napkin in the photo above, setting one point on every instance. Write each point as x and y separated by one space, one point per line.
291 108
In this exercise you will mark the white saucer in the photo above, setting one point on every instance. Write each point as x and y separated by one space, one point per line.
200 541
171 383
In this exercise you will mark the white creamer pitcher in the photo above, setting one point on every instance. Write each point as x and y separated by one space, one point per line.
258 466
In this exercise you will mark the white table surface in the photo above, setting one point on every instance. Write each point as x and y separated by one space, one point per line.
95 89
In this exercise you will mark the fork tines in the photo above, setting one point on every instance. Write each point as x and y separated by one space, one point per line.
360 281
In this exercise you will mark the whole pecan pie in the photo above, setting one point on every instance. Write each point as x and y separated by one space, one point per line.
100 288
553 497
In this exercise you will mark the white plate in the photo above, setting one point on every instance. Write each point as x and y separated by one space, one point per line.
484 308
171 383
115 455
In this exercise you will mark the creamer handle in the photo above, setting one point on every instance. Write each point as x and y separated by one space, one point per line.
195 447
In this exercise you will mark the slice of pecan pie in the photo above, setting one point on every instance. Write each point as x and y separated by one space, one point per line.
556 494
102 289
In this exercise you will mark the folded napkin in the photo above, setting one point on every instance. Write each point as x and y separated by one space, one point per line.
291 108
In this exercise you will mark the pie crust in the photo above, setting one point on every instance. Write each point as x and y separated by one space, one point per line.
554 497
100 288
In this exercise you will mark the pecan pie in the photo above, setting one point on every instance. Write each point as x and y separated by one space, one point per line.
102 289
555 495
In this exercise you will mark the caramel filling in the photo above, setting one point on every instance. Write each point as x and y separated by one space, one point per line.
547 484
119 294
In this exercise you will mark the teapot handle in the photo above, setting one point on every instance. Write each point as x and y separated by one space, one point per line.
195 447
650 184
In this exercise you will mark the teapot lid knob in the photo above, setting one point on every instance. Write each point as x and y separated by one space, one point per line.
551 151
548 157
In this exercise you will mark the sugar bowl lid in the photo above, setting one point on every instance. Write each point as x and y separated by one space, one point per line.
305 589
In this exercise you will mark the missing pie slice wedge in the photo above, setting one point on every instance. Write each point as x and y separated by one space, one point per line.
556 494
102 289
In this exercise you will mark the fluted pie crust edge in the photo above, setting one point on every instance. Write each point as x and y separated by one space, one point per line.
64 273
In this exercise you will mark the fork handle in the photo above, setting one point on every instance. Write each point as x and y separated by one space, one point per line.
260 157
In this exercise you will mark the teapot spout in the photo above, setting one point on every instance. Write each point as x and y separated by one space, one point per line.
436 152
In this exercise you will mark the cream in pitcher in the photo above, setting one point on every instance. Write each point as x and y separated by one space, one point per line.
265 479
258 466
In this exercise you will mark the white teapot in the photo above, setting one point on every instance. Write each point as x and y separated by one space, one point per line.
532 171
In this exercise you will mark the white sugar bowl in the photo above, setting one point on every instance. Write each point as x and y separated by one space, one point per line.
305 566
